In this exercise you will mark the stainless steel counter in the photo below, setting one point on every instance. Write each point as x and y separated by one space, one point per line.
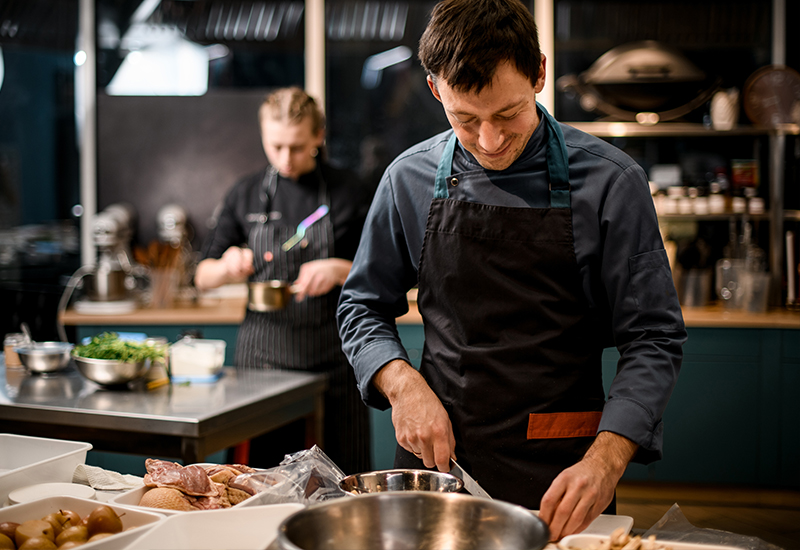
188 422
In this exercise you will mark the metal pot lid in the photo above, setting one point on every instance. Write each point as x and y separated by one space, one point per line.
647 82
644 61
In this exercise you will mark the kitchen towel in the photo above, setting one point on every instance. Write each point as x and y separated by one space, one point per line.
104 480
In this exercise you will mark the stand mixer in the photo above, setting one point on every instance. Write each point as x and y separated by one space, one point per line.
112 231
108 284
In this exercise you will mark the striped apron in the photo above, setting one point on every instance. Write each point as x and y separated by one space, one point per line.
304 336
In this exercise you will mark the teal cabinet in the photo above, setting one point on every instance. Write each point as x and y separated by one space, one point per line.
734 417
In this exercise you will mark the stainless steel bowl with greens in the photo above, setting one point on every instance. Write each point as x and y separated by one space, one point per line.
110 361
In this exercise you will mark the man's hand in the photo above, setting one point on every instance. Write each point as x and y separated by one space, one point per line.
319 277
581 492
420 421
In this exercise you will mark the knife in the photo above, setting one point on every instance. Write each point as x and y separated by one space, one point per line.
469 484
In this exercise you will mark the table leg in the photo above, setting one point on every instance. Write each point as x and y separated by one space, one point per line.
315 423
190 451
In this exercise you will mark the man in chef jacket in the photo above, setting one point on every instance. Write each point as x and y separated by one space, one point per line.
534 246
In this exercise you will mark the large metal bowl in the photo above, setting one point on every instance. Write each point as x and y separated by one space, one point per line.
44 357
110 372
401 480
413 521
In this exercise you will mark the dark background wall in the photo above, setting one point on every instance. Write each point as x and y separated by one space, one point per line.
154 151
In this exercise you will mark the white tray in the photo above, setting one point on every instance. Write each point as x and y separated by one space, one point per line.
29 460
135 522
583 541
134 496
243 529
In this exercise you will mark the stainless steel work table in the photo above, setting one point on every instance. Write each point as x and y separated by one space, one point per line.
188 422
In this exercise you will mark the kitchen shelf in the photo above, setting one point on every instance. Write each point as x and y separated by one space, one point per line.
788 215
678 129
777 137
713 217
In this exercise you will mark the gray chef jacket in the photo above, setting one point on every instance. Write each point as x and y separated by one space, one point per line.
619 251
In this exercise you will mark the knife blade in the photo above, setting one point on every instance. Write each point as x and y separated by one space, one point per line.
469 484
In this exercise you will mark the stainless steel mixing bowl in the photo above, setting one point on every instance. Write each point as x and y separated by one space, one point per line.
401 480
413 521
110 372
44 357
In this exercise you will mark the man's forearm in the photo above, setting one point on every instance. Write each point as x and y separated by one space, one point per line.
395 378
612 453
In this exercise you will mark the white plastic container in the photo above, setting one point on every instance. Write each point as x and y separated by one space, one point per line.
47 490
134 522
194 357
133 497
28 460
586 542
243 529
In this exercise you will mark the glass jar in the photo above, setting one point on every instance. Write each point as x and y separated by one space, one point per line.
12 340
159 370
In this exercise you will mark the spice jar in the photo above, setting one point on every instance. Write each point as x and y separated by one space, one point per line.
12 340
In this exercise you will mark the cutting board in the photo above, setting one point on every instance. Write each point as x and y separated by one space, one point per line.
606 524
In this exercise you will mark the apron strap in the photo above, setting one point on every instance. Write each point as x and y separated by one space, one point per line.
557 164
445 166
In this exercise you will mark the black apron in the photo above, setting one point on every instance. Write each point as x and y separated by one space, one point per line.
511 345
304 335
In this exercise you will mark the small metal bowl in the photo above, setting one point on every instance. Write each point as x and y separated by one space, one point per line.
111 372
401 480
44 357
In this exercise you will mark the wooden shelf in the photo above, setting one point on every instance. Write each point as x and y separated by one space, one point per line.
677 129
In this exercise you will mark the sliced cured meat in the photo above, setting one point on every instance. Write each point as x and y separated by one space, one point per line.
191 480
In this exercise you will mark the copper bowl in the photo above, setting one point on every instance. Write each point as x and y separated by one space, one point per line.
269 295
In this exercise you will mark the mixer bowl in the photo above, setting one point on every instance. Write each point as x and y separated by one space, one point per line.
44 357
413 520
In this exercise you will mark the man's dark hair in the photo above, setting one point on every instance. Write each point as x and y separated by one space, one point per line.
466 40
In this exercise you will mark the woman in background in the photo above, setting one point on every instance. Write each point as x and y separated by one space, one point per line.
259 214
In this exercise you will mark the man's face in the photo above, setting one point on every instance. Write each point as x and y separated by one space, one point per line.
496 123
290 148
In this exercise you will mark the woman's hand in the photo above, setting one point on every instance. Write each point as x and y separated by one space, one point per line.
235 266
238 264
318 277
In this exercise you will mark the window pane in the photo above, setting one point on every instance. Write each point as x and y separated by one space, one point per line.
39 182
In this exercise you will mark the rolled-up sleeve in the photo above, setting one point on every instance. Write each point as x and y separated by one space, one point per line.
646 318
374 294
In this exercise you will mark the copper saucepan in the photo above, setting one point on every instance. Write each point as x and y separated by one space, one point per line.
269 295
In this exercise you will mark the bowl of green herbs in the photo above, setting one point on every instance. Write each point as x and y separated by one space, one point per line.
110 361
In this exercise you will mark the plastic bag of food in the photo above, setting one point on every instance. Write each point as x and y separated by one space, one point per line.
674 527
304 477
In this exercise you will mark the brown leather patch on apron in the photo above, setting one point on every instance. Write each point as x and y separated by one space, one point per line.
563 425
